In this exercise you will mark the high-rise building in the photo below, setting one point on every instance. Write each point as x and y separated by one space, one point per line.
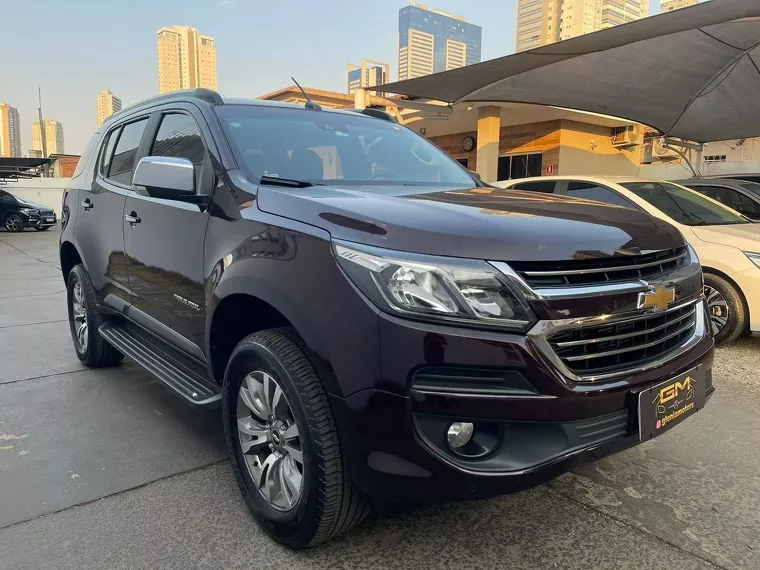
53 138
10 131
367 74
430 41
670 5
541 22
106 105
186 59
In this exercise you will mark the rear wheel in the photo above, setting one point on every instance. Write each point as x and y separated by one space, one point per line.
13 222
725 309
84 320
285 447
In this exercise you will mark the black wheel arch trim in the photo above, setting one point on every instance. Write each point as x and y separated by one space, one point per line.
277 299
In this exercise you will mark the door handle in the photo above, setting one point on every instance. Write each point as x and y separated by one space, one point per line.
132 219
87 205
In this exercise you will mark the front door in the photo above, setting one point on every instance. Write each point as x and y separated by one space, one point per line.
98 231
164 242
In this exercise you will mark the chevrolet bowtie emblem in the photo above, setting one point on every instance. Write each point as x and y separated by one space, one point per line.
658 297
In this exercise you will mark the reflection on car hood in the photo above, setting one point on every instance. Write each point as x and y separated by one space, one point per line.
744 236
484 223
29 204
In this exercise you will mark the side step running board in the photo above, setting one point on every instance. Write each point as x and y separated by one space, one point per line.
181 374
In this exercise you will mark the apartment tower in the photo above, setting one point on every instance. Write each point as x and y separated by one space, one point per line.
430 41
541 22
186 59
53 138
10 132
106 105
670 5
367 74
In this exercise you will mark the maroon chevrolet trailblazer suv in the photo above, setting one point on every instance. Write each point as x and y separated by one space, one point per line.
379 327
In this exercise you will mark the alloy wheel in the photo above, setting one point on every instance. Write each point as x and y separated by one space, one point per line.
13 223
717 308
79 315
269 440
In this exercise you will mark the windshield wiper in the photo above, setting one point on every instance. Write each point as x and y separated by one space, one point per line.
288 182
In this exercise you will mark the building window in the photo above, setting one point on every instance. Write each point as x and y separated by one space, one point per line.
715 158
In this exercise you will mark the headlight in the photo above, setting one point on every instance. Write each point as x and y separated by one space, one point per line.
692 254
27 211
753 257
437 288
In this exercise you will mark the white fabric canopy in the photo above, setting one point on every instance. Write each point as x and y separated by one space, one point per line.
692 73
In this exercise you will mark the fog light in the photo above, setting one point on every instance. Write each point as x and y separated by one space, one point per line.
459 434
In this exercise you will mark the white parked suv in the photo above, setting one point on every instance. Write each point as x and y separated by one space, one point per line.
727 243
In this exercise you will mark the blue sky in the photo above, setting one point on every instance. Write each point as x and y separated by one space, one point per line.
260 44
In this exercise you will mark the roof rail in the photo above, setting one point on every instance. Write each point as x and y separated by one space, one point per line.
207 95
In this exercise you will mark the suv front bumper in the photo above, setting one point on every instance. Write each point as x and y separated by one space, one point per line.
393 435
41 221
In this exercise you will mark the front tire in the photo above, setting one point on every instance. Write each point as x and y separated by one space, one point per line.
84 320
275 409
13 222
42 228
725 309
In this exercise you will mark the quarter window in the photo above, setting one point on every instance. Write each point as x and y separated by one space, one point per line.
546 186
123 161
105 159
591 191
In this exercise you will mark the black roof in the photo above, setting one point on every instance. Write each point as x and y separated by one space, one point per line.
15 168
713 181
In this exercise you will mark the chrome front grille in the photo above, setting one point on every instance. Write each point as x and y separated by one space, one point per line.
606 348
602 270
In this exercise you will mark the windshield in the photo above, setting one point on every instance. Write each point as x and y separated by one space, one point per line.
323 147
753 187
684 206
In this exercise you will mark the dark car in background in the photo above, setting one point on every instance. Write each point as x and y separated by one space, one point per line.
748 176
378 326
742 196
17 214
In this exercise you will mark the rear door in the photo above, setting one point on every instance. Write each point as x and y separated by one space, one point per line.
165 248
99 229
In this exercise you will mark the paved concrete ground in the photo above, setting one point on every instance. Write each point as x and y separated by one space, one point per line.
104 469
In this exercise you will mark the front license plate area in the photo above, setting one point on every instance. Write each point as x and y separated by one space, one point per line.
668 403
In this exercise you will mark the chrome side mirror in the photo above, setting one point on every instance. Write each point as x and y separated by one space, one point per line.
164 177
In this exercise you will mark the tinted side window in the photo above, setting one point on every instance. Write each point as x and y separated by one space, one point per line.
6 198
179 136
123 161
546 186
748 206
107 153
725 196
591 191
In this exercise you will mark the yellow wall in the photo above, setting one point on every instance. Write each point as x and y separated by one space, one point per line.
587 150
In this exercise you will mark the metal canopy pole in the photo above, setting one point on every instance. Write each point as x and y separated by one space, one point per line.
672 143
363 99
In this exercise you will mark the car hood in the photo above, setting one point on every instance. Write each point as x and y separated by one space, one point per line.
743 236
27 203
484 223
